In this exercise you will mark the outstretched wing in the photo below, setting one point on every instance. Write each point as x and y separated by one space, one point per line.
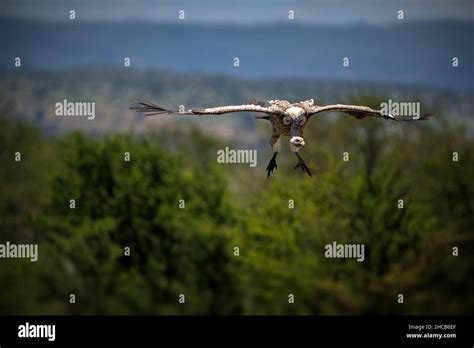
151 109
359 112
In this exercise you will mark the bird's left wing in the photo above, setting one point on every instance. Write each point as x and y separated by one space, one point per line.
360 111
151 109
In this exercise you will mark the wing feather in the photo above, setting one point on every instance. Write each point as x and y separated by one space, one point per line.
360 111
150 109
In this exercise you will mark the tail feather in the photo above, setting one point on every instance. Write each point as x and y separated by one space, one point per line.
422 117
266 117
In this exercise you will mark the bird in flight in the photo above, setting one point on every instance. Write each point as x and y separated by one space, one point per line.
287 119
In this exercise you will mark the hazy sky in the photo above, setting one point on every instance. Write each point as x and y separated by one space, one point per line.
243 11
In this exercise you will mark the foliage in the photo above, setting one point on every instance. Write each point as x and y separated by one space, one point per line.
135 204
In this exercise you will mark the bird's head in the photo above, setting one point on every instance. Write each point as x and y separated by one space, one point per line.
297 141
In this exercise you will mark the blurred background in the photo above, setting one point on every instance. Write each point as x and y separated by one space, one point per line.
190 62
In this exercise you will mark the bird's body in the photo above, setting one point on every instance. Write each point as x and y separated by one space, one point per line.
287 119
279 128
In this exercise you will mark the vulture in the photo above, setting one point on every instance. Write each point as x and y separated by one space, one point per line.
287 119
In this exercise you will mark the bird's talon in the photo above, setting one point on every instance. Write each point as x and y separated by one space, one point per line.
304 167
271 166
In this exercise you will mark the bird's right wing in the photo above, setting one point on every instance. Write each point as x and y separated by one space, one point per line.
360 111
151 109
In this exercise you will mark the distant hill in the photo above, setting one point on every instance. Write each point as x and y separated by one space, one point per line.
411 53
33 95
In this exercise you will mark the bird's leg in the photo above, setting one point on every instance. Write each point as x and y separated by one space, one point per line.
297 142
301 164
272 164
